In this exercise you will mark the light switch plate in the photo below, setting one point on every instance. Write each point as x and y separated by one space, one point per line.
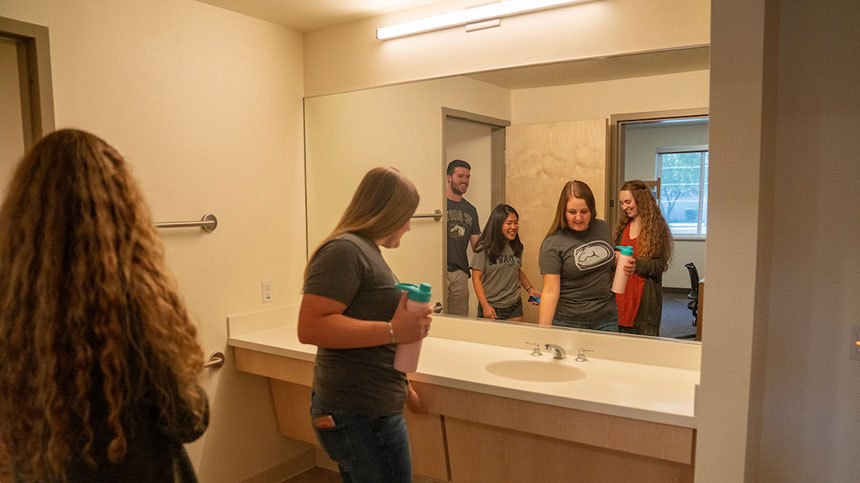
268 296
855 343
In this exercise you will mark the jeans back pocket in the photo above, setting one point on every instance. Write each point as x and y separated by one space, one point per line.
336 441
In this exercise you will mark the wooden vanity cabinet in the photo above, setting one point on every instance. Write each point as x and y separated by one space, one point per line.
476 437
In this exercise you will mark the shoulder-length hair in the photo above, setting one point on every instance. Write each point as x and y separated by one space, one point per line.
572 189
655 238
492 239
87 309
383 202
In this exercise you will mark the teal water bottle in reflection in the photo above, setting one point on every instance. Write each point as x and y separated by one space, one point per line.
619 283
417 298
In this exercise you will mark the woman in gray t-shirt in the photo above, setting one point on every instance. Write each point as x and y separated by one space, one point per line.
496 267
576 260
356 317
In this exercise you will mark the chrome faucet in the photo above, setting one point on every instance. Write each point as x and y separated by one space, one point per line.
557 351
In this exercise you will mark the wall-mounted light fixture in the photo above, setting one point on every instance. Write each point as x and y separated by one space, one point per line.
482 13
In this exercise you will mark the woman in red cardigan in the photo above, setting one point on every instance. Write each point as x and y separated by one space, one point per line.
642 226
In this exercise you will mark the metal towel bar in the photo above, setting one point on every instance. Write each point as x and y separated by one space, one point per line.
436 215
208 223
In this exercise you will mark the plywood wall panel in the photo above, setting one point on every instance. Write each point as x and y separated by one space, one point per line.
540 159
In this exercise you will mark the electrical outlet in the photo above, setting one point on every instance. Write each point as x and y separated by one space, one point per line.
855 343
268 296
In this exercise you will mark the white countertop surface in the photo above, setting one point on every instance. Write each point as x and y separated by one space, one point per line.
626 389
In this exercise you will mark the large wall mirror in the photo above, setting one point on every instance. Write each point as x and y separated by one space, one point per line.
525 131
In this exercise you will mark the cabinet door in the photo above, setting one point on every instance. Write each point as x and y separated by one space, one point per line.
292 407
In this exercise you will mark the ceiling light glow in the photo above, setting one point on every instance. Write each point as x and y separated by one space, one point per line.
471 15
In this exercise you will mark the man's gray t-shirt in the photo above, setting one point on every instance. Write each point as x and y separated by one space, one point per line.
350 269
500 279
462 224
584 261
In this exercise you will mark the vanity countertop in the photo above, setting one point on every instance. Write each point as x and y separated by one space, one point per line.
626 389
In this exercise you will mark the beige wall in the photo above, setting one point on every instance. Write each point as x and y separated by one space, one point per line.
743 88
575 102
779 395
348 57
206 106
399 126
813 434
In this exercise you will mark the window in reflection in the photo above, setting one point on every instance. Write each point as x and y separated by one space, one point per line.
684 189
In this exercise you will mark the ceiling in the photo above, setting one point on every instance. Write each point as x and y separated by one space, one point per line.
600 69
307 15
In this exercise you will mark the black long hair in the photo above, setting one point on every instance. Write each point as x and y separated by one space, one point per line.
492 240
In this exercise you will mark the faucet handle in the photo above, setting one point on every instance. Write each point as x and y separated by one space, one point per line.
580 356
536 350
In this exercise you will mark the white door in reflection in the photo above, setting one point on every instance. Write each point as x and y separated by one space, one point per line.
472 142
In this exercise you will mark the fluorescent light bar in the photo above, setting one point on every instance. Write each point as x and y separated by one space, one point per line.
471 15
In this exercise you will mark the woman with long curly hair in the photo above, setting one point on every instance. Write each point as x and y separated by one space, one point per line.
642 226
98 358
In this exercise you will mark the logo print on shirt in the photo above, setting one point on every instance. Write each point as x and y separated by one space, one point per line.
592 255
458 224
456 230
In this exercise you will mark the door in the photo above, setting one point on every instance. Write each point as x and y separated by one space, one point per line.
479 141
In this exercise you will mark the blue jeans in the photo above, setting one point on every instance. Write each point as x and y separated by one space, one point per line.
607 325
365 448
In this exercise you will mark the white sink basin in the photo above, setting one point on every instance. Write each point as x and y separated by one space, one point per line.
552 370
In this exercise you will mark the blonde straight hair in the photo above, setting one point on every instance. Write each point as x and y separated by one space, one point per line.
572 189
383 202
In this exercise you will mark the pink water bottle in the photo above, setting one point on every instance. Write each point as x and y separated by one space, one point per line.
619 283
417 298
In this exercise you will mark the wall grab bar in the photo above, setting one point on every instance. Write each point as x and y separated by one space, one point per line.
436 215
216 360
208 223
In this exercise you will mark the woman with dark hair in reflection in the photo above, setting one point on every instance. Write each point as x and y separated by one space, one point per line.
642 226
497 272
576 261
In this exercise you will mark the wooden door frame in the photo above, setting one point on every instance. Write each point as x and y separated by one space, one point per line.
615 175
37 98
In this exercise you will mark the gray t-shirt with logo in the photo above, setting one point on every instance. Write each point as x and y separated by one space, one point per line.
501 278
462 224
584 261
350 269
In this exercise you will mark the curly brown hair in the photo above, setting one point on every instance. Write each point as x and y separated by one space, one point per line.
655 238
87 308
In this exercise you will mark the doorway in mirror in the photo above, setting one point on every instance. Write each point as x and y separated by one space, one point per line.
480 141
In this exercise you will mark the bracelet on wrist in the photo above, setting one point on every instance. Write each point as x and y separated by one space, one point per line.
391 332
